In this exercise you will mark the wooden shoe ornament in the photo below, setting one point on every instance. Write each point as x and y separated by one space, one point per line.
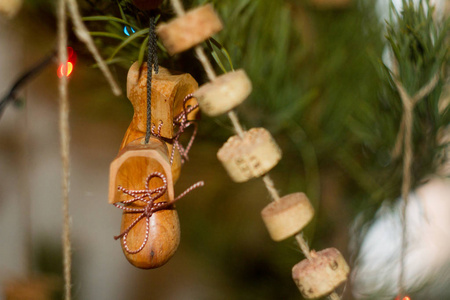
142 175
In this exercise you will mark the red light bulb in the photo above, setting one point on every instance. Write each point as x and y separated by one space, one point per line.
65 70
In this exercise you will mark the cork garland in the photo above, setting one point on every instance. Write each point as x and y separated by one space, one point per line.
253 153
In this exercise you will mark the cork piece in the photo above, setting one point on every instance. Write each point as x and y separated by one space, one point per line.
129 170
320 276
169 88
224 93
190 29
10 8
287 216
250 157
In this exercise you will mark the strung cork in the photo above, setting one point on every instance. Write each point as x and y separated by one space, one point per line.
10 8
250 157
320 276
168 91
190 29
224 93
130 170
147 4
287 216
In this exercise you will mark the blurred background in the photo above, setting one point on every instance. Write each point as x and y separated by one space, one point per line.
318 87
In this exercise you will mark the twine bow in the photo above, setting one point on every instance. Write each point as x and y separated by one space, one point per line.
148 196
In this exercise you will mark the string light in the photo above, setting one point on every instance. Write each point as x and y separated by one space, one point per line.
125 30
67 69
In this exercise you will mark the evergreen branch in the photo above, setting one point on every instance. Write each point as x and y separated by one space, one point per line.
161 46
113 61
108 19
127 41
215 56
124 18
106 34
223 50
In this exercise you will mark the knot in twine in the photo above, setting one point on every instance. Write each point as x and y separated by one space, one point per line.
409 102
182 123
148 196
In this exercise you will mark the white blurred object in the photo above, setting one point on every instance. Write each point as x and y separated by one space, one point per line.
428 254
9 8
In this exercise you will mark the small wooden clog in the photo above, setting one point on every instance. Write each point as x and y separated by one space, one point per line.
320 276
224 93
287 216
250 157
150 245
190 29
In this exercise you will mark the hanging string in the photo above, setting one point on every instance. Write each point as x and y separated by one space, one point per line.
83 35
405 135
64 136
152 64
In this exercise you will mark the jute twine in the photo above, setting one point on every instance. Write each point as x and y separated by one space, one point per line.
64 137
404 140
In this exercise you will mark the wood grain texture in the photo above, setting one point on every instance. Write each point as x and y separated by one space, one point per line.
130 170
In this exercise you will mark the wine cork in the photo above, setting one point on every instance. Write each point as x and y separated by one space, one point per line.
319 276
250 157
224 93
190 29
287 216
